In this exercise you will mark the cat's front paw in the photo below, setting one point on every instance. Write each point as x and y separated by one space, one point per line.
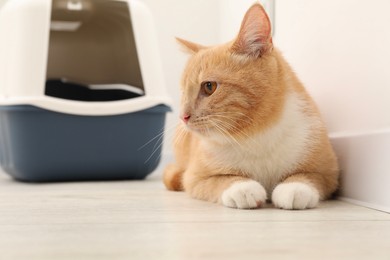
295 195
244 195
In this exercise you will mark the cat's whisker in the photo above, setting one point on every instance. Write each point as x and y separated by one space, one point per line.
239 131
155 149
231 122
162 132
235 113
159 140
230 126
151 140
236 123
168 134
150 157
221 132
180 136
233 138
226 133
208 131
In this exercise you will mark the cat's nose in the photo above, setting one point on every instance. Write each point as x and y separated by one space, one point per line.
186 117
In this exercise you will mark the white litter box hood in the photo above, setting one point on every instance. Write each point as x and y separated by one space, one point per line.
86 42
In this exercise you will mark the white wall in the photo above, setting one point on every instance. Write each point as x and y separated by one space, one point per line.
340 49
231 14
2 2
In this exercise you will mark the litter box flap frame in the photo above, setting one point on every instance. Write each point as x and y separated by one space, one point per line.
25 30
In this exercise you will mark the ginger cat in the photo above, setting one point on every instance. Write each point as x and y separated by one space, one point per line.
249 132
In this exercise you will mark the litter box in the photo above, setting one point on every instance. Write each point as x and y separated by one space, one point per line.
82 94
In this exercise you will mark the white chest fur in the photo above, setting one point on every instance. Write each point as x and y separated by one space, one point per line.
270 155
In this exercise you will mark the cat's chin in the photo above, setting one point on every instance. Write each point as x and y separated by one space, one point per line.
200 130
209 134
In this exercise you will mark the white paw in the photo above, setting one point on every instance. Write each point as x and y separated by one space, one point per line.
295 195
244 195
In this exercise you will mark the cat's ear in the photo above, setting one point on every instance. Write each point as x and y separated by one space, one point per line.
254 38
189 47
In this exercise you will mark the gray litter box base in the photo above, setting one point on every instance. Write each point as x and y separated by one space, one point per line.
37 145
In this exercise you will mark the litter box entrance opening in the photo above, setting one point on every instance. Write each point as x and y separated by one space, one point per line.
73 91
92 52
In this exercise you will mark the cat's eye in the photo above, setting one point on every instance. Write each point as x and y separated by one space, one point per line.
209 87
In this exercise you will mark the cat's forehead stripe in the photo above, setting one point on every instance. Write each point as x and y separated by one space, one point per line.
207 65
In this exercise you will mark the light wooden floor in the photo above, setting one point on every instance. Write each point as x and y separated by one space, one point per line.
141 220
